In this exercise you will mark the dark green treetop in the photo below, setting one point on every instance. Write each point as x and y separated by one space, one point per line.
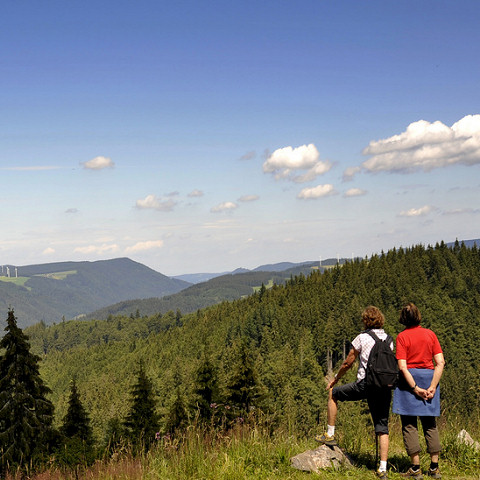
26 414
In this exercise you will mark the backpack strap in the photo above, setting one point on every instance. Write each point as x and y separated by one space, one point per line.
373 335
388 338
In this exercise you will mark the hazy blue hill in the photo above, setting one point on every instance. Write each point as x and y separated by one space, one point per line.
270 267
227 287
467 243
69 289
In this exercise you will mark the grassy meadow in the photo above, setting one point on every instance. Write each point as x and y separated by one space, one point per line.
252 452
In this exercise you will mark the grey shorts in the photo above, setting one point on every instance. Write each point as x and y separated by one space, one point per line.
378 402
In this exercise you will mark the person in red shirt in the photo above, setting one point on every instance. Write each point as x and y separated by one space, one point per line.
420 360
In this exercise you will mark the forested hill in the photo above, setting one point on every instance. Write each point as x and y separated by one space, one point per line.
219 289
51 291
281 340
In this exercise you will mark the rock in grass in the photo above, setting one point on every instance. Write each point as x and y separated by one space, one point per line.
465 437
320 458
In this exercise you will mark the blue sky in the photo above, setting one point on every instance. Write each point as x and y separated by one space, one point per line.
206 136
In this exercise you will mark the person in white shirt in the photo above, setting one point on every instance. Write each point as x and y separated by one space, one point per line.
378 401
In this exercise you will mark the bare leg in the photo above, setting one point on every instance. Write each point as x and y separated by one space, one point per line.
383 443
415 458
332 409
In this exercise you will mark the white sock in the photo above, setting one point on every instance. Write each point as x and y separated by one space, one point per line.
383 466
330 430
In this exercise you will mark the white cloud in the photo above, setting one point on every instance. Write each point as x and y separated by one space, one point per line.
196 193
224 207
316 192
248 198
48 251
97 249
98 163
71 210
355 192
284 163
154 203
426 146
144 246
350 172
417 212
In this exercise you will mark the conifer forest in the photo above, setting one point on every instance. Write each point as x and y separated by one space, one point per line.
80 391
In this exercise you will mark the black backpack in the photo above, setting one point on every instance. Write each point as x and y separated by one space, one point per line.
382 367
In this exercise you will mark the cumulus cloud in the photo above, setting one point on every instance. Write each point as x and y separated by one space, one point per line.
98 163
426 146
97 249
48 251
285 163
224 207
248 198
144 246
316 192
417 212
152 202
355 192
195 193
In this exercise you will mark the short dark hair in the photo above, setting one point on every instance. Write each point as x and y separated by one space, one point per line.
372 317
410 315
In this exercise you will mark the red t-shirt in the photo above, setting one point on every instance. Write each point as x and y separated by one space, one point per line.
417 345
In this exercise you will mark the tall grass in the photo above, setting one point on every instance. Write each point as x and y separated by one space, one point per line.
253 452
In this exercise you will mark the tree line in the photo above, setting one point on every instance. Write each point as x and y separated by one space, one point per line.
264 356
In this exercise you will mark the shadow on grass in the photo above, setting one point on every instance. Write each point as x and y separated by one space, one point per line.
397 463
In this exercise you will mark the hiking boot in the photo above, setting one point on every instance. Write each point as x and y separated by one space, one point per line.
411 473
434 473
326 440
380 474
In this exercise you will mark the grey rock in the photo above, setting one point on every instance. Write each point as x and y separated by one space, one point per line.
466 438
320 458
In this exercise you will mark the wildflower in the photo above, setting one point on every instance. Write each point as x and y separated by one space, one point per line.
213 405
157 436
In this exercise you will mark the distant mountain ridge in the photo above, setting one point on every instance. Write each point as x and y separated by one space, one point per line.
51 291
226 287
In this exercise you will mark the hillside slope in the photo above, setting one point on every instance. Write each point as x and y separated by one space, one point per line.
221 288
68 289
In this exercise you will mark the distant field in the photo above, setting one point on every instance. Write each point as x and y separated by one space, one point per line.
15 280
58 275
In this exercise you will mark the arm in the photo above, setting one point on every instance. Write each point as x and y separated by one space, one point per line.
346 365
402 366
437 374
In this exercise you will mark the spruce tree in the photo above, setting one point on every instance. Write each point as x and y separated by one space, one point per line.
77 445
244 389
141 423
26 414
206 391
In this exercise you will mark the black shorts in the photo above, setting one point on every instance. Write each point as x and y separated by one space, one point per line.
378 402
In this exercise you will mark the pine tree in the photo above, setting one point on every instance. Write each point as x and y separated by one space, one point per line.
26 414
244 390
206 391
141 423
77 445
